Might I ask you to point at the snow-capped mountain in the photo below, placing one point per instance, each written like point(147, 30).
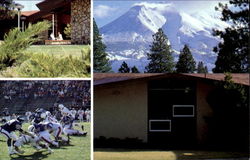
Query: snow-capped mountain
point(129, 36)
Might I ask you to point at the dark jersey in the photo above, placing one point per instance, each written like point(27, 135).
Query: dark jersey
point(39, 127)
point(32, 116)
point(12, 125)
point(37, 120)
point(67, 120)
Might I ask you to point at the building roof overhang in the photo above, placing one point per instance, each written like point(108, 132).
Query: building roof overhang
point(28, 13)
point(47, 7)
point(108, 78)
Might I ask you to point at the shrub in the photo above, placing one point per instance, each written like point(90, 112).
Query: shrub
point(16, 41)
point(43, 65)
point(67, 31)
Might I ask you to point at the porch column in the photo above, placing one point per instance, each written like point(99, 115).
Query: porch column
point(23, 23)
point(53, 24)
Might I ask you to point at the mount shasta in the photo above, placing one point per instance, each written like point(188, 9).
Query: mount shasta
point(128, 38)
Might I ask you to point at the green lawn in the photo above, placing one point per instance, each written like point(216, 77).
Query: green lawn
point(61, 50)
point(79, 149)
point(117, 154)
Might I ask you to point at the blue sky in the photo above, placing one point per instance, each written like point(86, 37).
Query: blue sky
point(107, 11)
point(29, 5)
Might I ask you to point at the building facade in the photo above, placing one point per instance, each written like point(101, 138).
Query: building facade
point(167, 109)
point(61, 13)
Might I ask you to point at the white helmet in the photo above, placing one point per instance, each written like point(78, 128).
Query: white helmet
point(48, 113)
point(61, 106)
point(43, 115)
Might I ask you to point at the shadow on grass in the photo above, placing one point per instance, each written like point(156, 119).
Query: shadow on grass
point(36, 156)
point(63, 146)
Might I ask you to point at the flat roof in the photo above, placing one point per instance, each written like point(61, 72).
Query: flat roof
point(106, 78)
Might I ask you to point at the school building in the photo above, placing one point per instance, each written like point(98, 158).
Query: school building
point(167, 109)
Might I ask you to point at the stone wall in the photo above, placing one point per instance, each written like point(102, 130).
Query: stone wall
point(80, 21)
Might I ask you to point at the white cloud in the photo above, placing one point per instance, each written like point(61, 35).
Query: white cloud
point(197, 6)
point(102, 11)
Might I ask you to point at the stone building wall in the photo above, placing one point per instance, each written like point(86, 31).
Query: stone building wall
point(80, 22)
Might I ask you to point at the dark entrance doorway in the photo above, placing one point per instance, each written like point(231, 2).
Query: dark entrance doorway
point(172, 113)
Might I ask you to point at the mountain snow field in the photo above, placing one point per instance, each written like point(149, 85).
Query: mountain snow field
point(128, 38)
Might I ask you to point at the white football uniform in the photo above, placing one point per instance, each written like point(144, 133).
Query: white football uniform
point(88, 115)
point(56, 128)
point(80, 115)
point(73, 113)
point(50, 119)
point(45, 136)
point(25, 139)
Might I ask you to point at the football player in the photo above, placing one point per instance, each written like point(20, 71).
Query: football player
point(8, 131)
point(67, 123)
point(42, 131)
point(33, 141)
point(56, 130)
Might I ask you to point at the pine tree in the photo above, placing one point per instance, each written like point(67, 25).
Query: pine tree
point(233, 50)
point(124, 68)
point(134, 70)
point(186, 62)
point(101, 62)
point(206, 70)
point(201, 68)
point(160, 56)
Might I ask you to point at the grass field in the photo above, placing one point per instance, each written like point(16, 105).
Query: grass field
point(78, 149)
point(117, 154)
point(59, 50)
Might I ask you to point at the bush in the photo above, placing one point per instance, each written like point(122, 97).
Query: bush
point(44, 65)
point(15, 62)
point(16, 41)
point(67, 31)
point(41, 65)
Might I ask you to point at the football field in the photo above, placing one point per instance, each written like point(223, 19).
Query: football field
point(78, 149)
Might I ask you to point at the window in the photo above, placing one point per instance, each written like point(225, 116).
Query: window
point(183, 110)
point(160, 125)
